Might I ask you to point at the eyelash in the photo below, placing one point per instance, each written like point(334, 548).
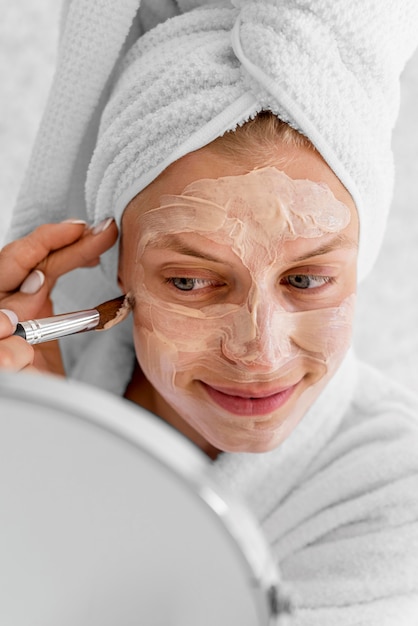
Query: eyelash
point(324, 280)
point(207, 283)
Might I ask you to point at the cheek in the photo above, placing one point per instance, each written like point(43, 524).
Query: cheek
point(174, 329)
point(156, 358)
point(166, 342)
point(325, 331)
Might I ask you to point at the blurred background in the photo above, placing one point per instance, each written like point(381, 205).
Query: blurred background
point(386, 332)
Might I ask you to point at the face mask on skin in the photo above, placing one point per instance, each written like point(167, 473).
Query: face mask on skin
point(259, 340)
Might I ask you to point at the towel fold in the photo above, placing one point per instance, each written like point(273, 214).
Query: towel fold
point(337, 503)
point(328, 68)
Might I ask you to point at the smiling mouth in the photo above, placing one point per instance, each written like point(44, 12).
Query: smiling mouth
point(247, 405)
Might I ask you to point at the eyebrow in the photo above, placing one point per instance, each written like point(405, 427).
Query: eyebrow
point(173, 242)
point(340, 241)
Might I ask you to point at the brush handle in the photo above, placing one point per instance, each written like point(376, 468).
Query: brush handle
point(50, 328)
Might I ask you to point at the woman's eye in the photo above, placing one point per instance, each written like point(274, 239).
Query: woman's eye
point(305, 281)
point(190, 284)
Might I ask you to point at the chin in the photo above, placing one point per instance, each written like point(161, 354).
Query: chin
point(251, 445)
point(257, 440)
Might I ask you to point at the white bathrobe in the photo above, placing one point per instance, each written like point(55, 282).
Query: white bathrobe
point(337, 501)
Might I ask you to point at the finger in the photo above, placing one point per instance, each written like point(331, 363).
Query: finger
point(81, 249)
point(31, 369)
point(15, 354)
point(32, 300)
point(85, 252)
point(19, 258)
point(37, 305)
point(8, 321)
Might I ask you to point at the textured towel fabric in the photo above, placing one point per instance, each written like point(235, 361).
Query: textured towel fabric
point(337, 500)
point(328, 67)
point(319, 65)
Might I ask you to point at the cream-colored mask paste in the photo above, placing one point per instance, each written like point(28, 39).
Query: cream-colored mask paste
point(260, 338)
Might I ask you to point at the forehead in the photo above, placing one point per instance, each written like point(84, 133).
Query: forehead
point(264, 203)
point(192, 175)
point(255, 216)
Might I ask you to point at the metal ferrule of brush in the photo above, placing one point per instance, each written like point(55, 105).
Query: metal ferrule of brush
point(49, 328)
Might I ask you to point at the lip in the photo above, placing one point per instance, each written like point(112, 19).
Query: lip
point(251, 402)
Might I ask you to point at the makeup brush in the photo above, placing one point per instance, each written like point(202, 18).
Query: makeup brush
point(103, 317)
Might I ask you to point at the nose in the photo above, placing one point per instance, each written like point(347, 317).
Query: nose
point(259, 335)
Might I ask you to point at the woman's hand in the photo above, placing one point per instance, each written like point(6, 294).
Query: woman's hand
point(29, 269)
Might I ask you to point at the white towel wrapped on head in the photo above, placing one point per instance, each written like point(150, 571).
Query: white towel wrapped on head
point(327, 67)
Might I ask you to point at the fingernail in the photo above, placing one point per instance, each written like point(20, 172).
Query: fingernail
point(33, 282)
point(11, 315)
point(74, 221)
point(101, 226)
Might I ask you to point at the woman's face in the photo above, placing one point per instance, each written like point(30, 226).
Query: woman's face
point(243, 284)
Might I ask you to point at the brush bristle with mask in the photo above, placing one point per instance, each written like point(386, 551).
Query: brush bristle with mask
point(102, 317)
